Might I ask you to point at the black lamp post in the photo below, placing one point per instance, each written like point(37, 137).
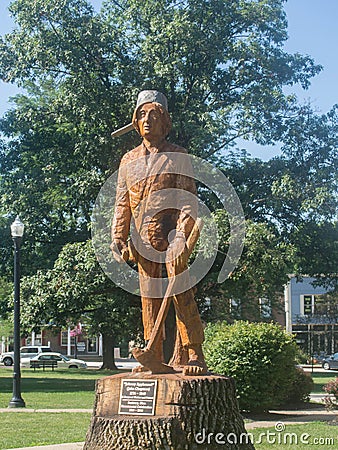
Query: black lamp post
point(17, 401)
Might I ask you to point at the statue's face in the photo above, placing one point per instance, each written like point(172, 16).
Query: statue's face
point(149, 121)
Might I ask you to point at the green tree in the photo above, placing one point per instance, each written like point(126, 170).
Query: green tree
point(6, 291)
point(296, 193)
point(309, 189)
point(6, 325)
point(77, 289)
point(6, 332)
point(222, 65)
point(223, 68)
point(253, 290)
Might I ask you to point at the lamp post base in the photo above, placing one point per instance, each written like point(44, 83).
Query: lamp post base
point(17, 402)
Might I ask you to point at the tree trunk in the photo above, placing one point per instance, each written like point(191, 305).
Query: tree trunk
point(191, 413)
point(108, 343)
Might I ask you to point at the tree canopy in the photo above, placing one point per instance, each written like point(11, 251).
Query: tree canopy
point(223, 67)
point(76, 290)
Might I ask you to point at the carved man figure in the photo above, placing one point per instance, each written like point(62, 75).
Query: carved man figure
point(157, 199)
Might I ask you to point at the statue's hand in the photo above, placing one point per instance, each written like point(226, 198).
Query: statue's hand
point(177, 256)
point(120, 251)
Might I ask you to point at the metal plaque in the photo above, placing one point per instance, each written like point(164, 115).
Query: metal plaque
point(137, 397)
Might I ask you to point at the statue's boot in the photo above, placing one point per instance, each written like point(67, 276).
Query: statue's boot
point(196, 364)
point(152, 359)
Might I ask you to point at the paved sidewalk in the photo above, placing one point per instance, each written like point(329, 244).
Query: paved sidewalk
point(293, 417)
point(75, 446)
point(31, 410)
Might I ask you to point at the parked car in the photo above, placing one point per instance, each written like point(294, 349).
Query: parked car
point(331, 362)
point(25, 352)
point(318, 358)
point(62, 361)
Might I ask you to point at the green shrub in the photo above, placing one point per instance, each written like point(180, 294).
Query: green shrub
point(301, 387)
point(259, 356)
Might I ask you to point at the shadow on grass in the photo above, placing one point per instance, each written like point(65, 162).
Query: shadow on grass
point(55, 381)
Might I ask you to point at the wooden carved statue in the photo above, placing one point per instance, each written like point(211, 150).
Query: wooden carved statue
point(156, 198)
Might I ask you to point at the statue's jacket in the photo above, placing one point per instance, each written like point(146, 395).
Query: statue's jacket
point(157, 193)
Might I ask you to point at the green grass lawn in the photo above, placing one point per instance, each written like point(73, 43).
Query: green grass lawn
point(320, 379)
point(68, 389)
point(309, 436)
point(47, 390)
point(22, 429)
point(63, 388)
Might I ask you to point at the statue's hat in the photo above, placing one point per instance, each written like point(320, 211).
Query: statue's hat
point(149, 96)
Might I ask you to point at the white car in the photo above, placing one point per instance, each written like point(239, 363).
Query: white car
point(27, 352)
point(61, 360)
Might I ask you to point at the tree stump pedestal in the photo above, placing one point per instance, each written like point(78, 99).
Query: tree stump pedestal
point(169, 412)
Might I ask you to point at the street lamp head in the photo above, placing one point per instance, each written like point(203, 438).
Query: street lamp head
point(17, 228)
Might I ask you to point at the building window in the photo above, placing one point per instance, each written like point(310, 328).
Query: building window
point(37, 339)
point(312, 305)
point(64, 339)
point(92, 345)
point(265, 308)
point(235, 308)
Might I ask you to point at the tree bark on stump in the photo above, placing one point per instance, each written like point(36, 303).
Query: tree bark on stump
point(191, 413)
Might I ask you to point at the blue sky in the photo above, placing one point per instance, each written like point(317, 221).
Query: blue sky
point(312, 31)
